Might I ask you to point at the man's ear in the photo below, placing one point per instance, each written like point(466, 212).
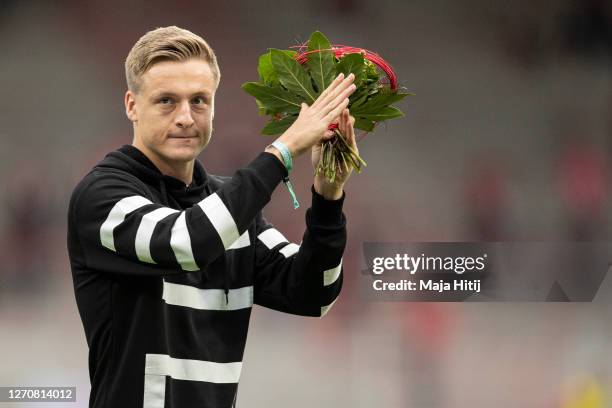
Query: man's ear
point(130, 106)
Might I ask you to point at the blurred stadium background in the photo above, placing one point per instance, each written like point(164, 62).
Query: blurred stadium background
point(508, 138)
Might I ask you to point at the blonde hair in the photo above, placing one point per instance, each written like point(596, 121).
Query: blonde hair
point(166, 44)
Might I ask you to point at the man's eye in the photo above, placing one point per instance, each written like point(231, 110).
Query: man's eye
point(198, 100)
point(165, 101)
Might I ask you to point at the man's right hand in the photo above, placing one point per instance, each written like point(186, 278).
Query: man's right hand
point(313, 121)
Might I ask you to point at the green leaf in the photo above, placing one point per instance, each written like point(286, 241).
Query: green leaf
point(322, 64)
point(274, 99)
point(386, 113)
point(364, 124)
point(378, 101)
point(266, 71)
point(354, 63)
point(292, 75)
point(276, 127)
point(362, 93)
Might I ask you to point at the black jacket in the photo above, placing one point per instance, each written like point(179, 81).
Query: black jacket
point(165, 276)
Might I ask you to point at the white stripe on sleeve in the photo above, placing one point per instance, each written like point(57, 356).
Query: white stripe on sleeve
point(180, 241)
point(272, 237)
point(331, 275)
point(325, 309)
point(289, 249)
point(242, 242)
point(116, 216)
point(145, 232)
point(221, 219)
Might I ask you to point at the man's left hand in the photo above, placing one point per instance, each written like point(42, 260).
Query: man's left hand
point(333, 191)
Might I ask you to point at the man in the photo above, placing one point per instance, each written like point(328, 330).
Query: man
point(167, 260)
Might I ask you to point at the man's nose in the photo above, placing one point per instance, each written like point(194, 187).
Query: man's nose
point(183, 116)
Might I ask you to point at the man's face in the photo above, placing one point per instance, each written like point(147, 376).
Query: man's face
point(173, 110)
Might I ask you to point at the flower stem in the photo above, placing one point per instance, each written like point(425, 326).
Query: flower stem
point(338, 156)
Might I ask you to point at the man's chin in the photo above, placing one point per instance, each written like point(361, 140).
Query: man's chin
point(182, 153)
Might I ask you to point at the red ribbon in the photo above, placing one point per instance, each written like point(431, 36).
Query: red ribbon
point(341, 50)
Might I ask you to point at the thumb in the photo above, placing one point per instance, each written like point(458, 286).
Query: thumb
point(303, 107)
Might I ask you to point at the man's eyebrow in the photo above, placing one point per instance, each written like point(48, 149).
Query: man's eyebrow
point(170, 93)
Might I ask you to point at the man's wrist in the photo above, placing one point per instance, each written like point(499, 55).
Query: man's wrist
point(326, 212)
point(328, 191)
point(277, 153)
point(288, 140)
point(274, 151)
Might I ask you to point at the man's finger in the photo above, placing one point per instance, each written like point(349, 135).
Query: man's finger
point(344, 122)
point(351, 124)
point(350, 136)
point(353, 140)
point(336, 91)
point(334, 103)
point(337, 110)
point(329, 89)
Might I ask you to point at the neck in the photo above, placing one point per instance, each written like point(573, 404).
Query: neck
point(180, 170)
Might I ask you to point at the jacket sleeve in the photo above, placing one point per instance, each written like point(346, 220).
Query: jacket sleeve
point(302, 279)
point(113, 216)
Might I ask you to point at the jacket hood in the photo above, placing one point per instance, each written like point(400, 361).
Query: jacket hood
point(128, 158)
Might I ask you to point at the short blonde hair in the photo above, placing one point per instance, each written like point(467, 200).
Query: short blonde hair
point(166, 44)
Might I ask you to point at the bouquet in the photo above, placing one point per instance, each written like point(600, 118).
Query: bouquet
point(289, 77)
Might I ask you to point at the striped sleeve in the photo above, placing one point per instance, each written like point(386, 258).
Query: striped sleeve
point(302, 279)
point(114, 216)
